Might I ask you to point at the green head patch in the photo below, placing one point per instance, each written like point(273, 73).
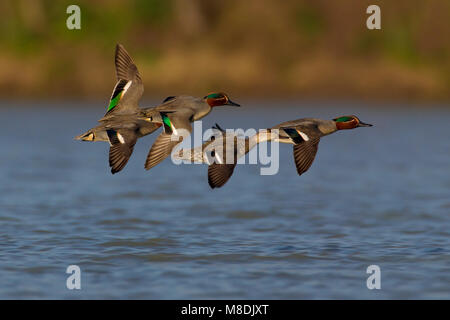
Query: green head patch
point(343, 119)
point(214, 96)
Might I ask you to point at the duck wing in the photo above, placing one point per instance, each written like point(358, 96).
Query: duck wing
point(218, 174)
point(177, 125)
point(220, 171)
point(129, 88)
point(305, 138)
point(304, 154)
point(122, 144)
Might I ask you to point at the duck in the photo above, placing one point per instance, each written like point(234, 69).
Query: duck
point(124, 122)
point(176, 113)
point(304, 134)
point(220, 159)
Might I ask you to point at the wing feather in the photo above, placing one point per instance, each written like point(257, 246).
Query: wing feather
point(304, 154)
point(161, 149)
point(163, 145)
point(218, 174)
point(129, 88)
point(122, 145)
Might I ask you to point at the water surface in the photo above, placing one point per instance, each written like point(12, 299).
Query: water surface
point(377, 195)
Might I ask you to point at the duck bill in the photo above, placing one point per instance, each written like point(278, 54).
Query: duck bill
point(362, 124)
point(231, 103)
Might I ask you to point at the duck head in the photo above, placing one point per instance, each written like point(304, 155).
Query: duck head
point(349, 122)
point(216, 99)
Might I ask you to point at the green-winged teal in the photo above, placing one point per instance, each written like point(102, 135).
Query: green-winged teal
point(175, 113)
point(304, 134)
point(124, 121)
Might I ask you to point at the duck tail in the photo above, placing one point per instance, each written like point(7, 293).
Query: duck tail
point(87, 136)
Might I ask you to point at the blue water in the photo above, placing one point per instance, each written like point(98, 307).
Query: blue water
point(373, 196)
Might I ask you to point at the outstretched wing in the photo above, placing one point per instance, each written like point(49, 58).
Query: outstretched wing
point(305, 138)
point(304, 154)
point(122, 144)
point(220, 171)
point(218, 174)
point(129, 87)
point(176, 126)
point(161, 149)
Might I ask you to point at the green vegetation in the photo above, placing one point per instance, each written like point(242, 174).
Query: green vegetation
point(309, 21)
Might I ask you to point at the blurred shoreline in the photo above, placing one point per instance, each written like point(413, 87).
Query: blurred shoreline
point(99, 105)
point(254, 49)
